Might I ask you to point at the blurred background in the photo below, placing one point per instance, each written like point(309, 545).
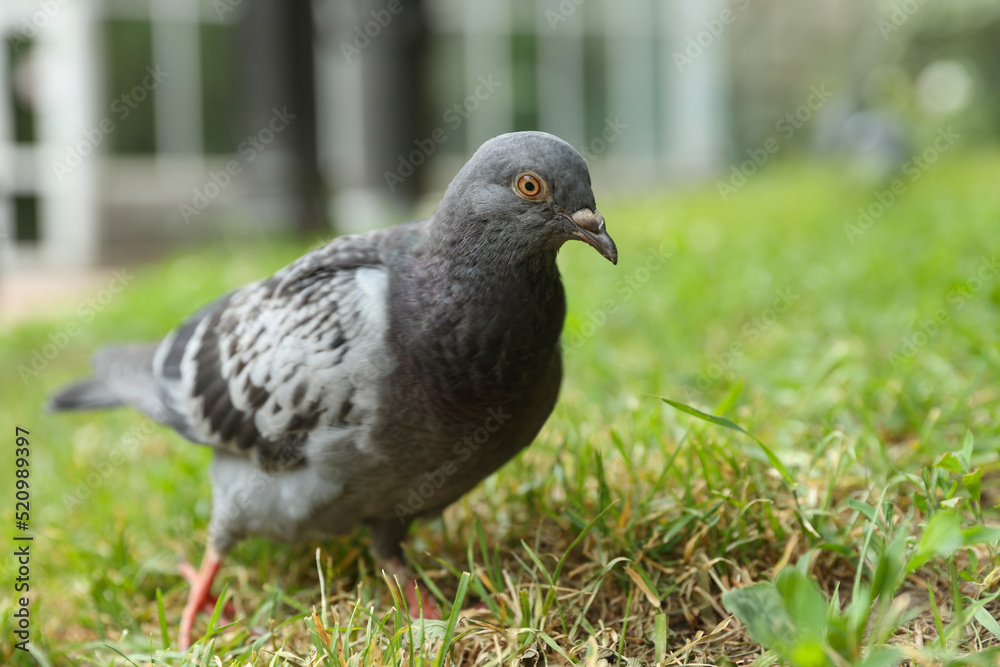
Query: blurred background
point(131, 127)
point(806, 201)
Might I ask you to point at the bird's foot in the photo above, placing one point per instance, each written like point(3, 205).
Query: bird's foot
point(208, 607)
point(421, 605)
point(200, 599)
point(430, 609)
point(417, 605)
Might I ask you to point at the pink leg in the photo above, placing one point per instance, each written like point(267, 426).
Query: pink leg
point(396, 569)
point(426, 603)
point(191, 575)
point(200, 598)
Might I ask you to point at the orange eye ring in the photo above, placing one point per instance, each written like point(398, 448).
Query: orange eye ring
point(529, 185)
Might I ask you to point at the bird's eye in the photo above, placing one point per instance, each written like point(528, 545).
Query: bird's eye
point(531, 186)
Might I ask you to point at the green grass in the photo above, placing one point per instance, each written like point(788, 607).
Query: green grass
point(869, 368)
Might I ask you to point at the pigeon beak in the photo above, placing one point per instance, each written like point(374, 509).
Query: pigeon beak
point(589, 227)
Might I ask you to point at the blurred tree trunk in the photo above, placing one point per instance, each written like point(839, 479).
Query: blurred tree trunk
point(394, 94)
point(276, 59)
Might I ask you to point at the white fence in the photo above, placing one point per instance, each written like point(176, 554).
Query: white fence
point(612, 77)
point(606, 77)
point(60, 79)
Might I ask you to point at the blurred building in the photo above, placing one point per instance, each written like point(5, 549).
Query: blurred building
point(127, 126)
point(638, 86)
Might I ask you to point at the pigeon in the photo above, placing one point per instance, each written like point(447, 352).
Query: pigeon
point(377, 379)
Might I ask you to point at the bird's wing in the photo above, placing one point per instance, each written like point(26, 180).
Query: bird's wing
point(259, 370)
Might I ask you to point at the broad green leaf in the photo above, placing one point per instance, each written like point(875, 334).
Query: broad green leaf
point(941, 537)
point(862, 507)
point(950, 462)
point(804, 602)
point(986, 619)
point(760, 608)
point(953, 503)
point(726, 423)
point(809, 653)
point(973, 483)
point(980, 535)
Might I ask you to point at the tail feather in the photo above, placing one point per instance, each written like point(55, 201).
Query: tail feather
point(89, 394)
point(124, 377)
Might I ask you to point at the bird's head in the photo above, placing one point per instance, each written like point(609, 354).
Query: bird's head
point(526, 190)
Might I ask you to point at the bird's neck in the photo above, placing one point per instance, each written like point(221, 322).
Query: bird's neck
point(508, 289)
point(477, 327)
point(488, 250)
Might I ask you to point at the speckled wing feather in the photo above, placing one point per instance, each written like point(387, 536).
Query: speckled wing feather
point(267, 365)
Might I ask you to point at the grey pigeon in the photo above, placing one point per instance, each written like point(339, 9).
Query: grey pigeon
point(379, 378)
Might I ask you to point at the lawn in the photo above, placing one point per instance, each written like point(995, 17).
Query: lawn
point(858, 525)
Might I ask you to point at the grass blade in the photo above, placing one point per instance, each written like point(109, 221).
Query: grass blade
point(109, 646)
point(220, 604)
point(733, 426)
point(164, 633)
point(456, 611)
point(660, 637)
point(555, 647)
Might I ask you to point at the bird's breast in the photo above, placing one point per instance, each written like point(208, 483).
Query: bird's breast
point(471, 349)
